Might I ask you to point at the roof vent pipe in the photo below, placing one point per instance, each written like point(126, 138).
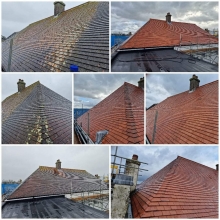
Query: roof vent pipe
point(217, 167)
point(168, 17)
point(59, 7)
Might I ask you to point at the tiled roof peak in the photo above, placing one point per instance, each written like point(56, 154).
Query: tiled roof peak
point(36, 115)
point(121, 113)
point(182, 189)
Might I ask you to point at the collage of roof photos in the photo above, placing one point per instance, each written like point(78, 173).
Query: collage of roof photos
point(127, 101)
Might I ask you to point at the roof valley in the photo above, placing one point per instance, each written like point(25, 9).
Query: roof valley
point(40, 131)
point(131, 127)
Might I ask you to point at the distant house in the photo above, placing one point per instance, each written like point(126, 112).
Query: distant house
point(73, 40)
point(182, 189)
point(168, 46)
point(36, 115)
point(120, 116)
point(190, 117)
point(48, 193)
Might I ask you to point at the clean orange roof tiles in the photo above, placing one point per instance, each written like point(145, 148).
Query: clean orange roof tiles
point(185, 118)
point(121, 113)
point(159, 33)
point(182, 189)
point(57, 181)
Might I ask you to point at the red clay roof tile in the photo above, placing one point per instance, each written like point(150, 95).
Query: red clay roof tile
point(52, 181)
point(159, 33)
point(121, 113)
point(186, 118)
point(191, 189)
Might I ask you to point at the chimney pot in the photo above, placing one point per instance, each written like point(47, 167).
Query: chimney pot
point(135, 157)
point(168, 17)
point(59, 7)
point(21, 85)
point(141, 83)
point(194, 83)
point(217, 167)
point(58, 164)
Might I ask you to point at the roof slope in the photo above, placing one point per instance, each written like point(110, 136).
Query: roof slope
point(121, 113)
point(78, 36)
point(36, 115)
point(159, 33)
point(53, 207)
point(182, 189)
point(186, 118)
point(52, 181)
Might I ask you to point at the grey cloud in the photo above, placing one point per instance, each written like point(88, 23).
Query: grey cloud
point(18, 162)
point(18, 15)
point(204, 14)
point(161, 86)
point(158, 157)
point(59, 83)
point(96, 87)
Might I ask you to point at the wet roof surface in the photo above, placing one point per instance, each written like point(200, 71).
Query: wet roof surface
point(53, 207)
point(78, 36)
point(36, 115)
point(121, 113)
point(159, 33)
point(159, 60)
point(182, 189)
point(186, 118)
point(51, 181)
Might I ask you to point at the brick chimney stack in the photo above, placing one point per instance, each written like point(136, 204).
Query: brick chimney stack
point(168, 17)
point(141, 83)
point(132, 169)
point(59, 7)
point(194, 83)
point(21, 85)
point(58, 164)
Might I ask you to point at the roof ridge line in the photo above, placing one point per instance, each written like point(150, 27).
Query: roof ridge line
point(195, 162)
point(187, 91)
point(61, 168)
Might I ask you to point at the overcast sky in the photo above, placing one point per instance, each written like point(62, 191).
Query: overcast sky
point(59, 83)
point(19, 162)
point(159, 157)
point(90, 89)
point(18, 15)
point(130, 16)
point(161, 86)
